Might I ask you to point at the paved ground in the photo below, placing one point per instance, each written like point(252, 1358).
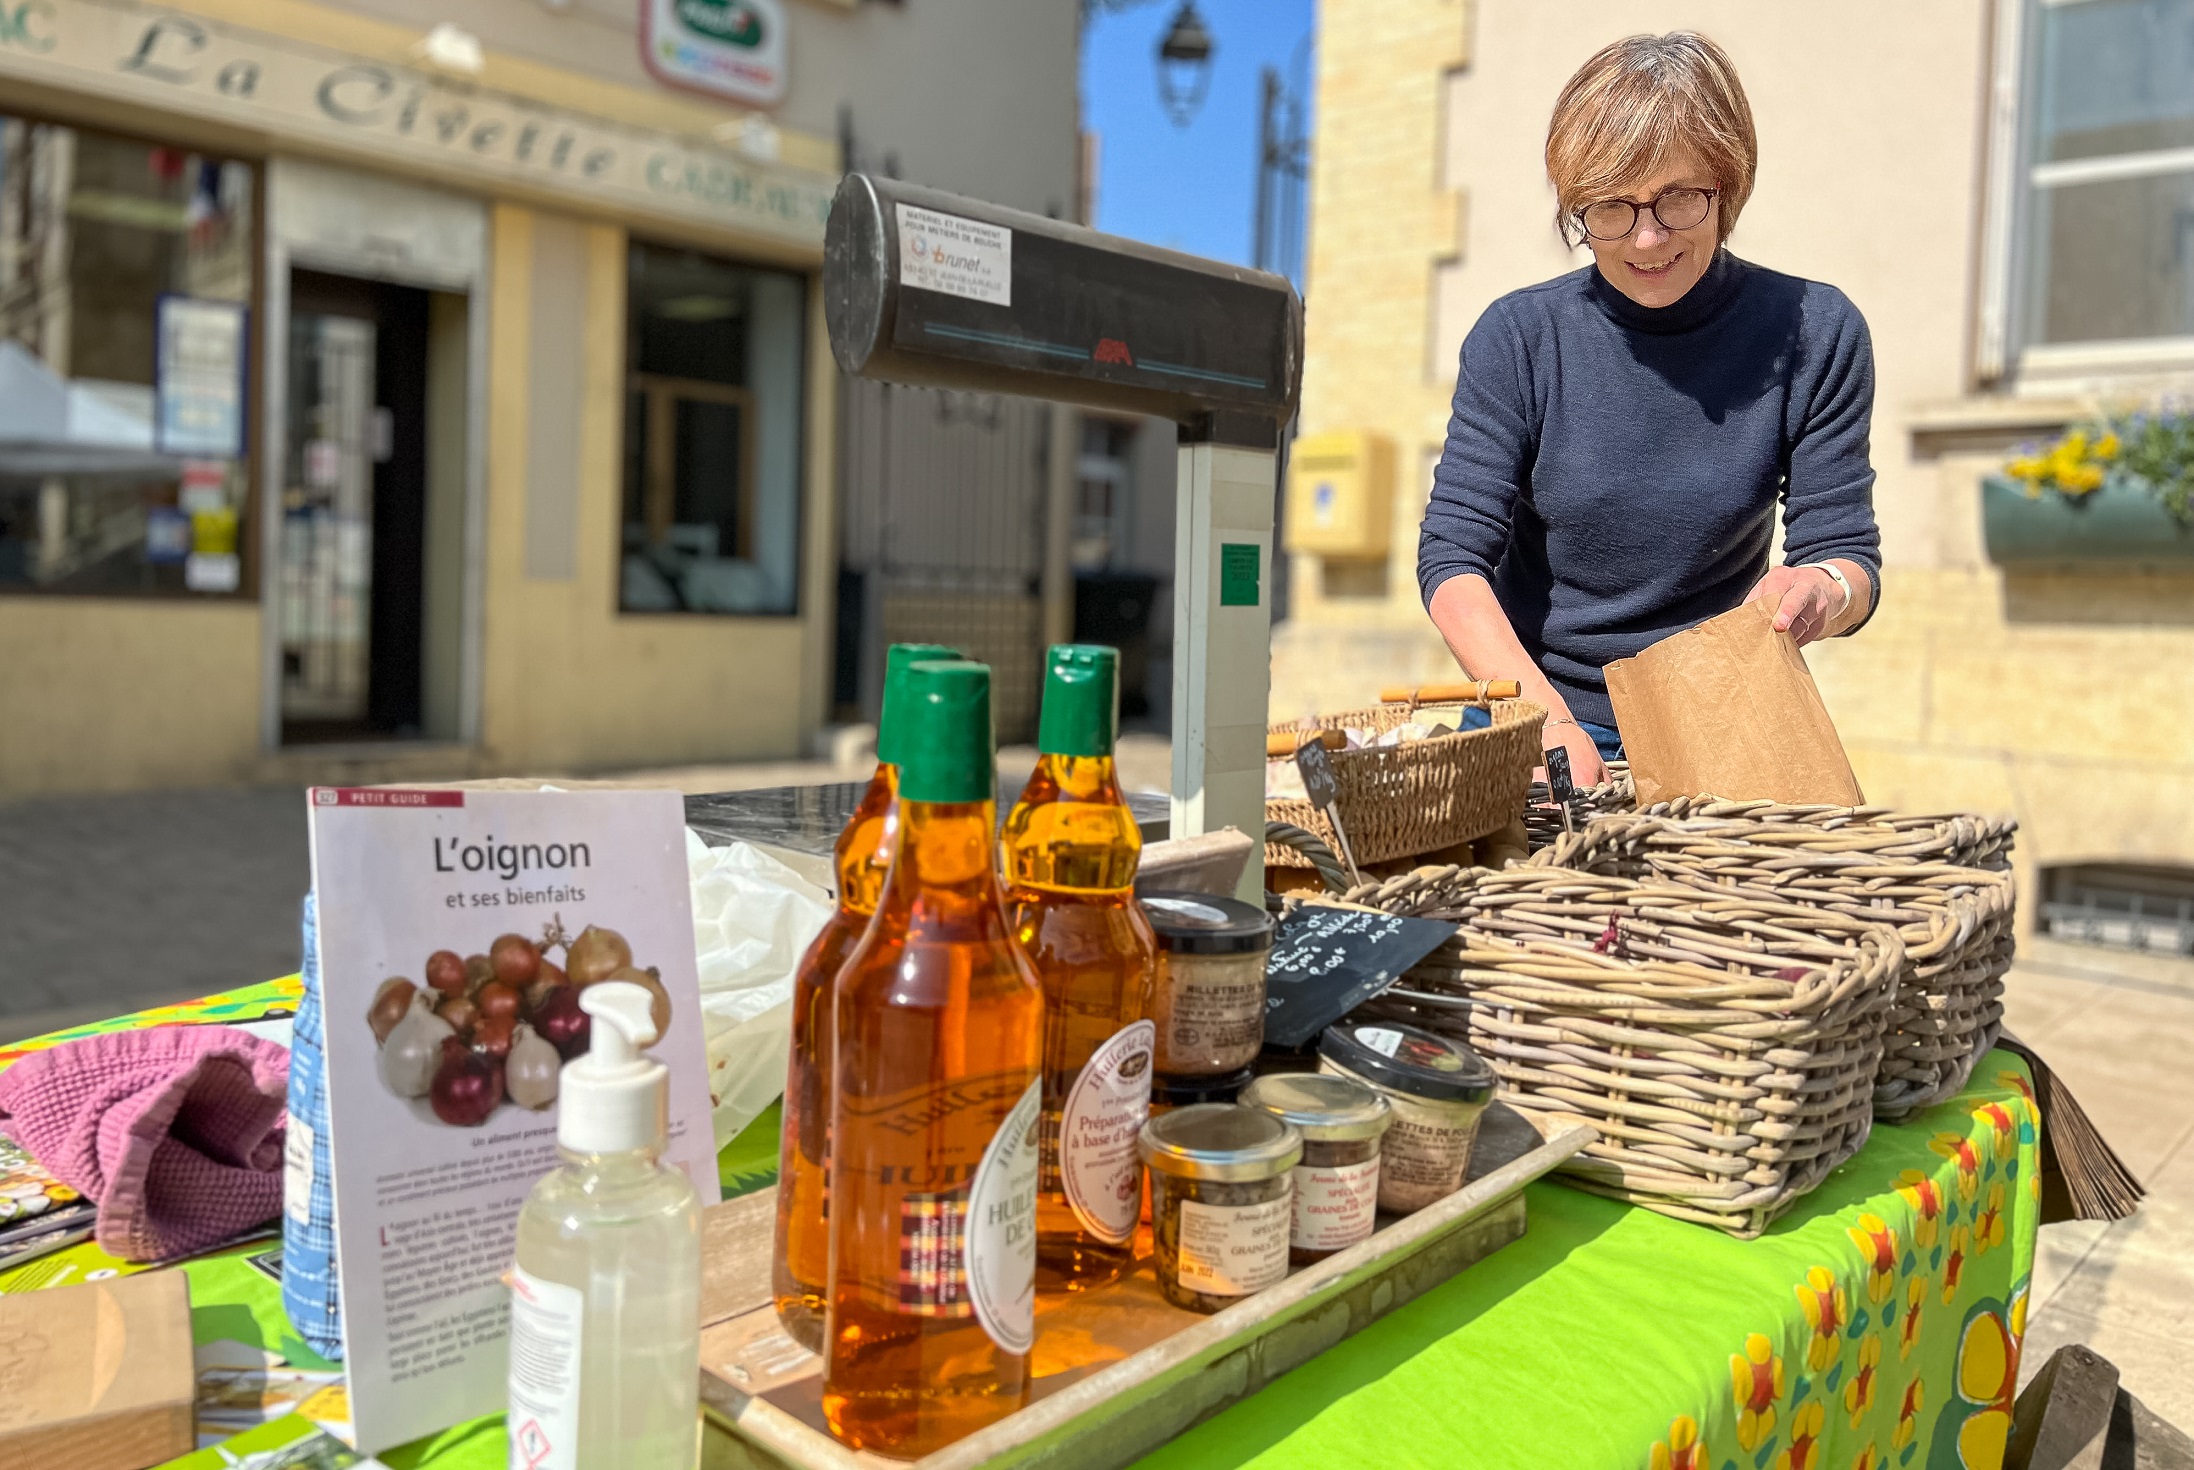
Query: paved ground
point(110, 904)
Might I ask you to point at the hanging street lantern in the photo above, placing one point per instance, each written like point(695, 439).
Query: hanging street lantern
point(1184, 65)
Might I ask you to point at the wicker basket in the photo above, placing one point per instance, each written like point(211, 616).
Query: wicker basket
point(1724, 1046)
point(1956, 923)
point(1543, 820)
point(1401, 801)
point(1931, 837)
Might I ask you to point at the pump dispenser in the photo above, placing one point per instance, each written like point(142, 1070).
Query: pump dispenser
point(1071, 850)
point(605, 1321)
point(803, 1147)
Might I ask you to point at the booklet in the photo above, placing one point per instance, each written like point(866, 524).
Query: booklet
point(456, 931)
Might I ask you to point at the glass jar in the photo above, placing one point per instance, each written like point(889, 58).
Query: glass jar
point(1210, 998)
point(1438, 1089)
point(1337, 1180)
point(1221, 1192)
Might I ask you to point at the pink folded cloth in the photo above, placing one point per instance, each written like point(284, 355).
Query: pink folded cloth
point(175, 1132)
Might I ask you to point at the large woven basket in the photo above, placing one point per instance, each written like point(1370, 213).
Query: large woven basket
point(1543, 820)
point(1401, 801)
point(1956, 923)
point(1725, 1046)
point(1940, 837)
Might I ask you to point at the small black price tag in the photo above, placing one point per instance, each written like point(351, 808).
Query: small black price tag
point(1317, 768)
point(1559, 784)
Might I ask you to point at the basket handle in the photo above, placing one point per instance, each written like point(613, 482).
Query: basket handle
point(1477, 691)
point(1286, 742)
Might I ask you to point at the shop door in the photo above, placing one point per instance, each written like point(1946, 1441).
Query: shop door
point(354, 511)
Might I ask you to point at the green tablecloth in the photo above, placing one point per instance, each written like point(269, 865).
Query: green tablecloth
point(1877, 1325)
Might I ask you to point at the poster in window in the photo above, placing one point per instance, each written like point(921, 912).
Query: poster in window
point(199, 382)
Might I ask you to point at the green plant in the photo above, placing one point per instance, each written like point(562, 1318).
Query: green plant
point(2154, 449)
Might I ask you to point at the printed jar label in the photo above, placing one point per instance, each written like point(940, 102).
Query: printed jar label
point(1105, 1110)
point(1233, 1250)
point(1335, 1206)
point(545, 1322)
point(1001, 1227)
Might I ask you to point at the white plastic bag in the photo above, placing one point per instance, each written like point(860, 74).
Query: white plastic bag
point(753, 918)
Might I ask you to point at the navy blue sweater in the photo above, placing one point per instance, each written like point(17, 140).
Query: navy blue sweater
point(1613, 469)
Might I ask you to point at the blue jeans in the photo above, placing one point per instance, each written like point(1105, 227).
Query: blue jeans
point(1606, 737)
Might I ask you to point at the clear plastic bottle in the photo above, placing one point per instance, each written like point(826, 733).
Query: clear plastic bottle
point(1071, 848)
point(934, 1132)
point(803, 1152)
point(605, 1333)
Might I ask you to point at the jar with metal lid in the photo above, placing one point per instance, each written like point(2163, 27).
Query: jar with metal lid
point(1221, 1193)
point(1210, 998)
point(1337, 1181)
point(1438, 1089)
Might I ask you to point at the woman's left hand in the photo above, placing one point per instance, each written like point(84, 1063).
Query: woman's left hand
point(1806, 600)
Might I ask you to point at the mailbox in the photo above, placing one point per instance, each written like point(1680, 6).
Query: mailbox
point(1340, 494)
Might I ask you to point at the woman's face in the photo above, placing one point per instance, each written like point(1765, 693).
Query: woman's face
point(1654, 265)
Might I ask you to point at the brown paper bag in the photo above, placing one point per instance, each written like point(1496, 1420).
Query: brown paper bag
point(1729, 709)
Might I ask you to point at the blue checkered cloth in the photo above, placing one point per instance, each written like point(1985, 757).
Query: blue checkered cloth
point(309, 1292)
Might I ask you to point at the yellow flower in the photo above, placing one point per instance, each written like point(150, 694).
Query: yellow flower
point(1805, 1437)
point(1826, 1310)
point(1869, 1458)
point(1859, 1392)
point(1966, 1154)
point(2080, 479)
point(2018, 1316)
point(1926, 1198)
point(2029, 468)
point(1954, 1264)
point(1915, 1295)
point(1908, 1416)
point(2072, 446)
point(1681, 1450)
point(1988, 1374)
point(2025, 1090)
point(1877, 1245)
point(1988, 1228)
point(2107, 446)
point(1756, 1382)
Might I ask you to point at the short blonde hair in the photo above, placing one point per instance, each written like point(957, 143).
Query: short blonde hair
point(1635, 103)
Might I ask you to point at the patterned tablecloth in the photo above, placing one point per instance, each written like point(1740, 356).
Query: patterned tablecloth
point(1877, 1325)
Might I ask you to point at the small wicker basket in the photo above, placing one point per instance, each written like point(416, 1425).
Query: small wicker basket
point(1956, 923)
point(1401, 801)
point(1930, 837)
point(1725, 1046)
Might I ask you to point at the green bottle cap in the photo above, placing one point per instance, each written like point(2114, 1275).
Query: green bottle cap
point(1081, 700)
point(897, 660)
point(948, 752)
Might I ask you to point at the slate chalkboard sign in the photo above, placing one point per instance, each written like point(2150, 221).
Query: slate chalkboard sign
point(1326, 962)
point(1319, 782)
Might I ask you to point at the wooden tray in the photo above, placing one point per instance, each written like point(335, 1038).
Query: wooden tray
point(1118, 1371)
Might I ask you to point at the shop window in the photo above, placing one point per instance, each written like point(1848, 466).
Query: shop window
point(2120, 906)
point(126, 271)
point(1104, 492)
point(2107, 239)
point(714, 403)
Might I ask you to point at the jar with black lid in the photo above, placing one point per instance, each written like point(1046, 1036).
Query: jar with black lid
point(1221, 1201)
point(1438, 1088)
point(1209, 1003)
point(1337, 1181)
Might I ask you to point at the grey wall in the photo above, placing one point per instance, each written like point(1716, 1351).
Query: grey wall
point(976, 96)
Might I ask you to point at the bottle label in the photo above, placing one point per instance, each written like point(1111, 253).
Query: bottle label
point(1335, 1206)
point(1001, 1227)
point(1105, 1111)
point(545, 1322)
point(1233, 1250)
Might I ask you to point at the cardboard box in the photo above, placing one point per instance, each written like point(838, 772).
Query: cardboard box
point(98, 1376)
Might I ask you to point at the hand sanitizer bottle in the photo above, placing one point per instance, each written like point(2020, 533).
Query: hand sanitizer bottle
point(605, 1312)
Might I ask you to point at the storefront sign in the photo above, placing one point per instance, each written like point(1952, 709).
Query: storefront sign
point(727, 48)
point(198, 377)
point(386, 115)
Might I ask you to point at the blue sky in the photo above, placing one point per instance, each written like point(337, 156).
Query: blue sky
point(1189, 188)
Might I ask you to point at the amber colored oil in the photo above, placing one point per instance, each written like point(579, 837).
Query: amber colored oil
point(1071, 848)
point(939, 1040)
point(863, 856)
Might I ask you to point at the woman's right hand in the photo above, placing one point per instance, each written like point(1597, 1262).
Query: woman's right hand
point(1586, 769)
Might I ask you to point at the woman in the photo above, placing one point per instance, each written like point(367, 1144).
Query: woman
point(1622, 434)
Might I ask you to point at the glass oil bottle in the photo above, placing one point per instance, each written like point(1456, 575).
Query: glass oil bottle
point(939, 1050)
point(863, 857)
point(1070, 851)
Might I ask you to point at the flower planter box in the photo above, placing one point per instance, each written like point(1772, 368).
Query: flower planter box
point(2121, 522)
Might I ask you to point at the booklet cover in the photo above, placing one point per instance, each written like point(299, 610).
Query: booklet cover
point(456, 931)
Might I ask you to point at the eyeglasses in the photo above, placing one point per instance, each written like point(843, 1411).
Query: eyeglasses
point(1676, 209)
